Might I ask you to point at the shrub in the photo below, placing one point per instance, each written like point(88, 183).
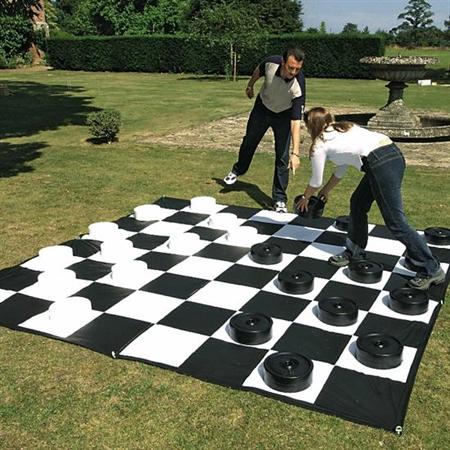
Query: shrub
point(104, 124)
point(15, 35)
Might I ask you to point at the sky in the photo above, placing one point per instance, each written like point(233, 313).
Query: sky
point(376, 14)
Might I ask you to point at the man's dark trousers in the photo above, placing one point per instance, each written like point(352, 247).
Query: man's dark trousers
point(258, 123)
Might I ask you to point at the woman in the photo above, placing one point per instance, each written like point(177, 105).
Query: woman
point(345, 143)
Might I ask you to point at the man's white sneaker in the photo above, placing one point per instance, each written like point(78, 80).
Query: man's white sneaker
point(231, 178)
point(280, 207)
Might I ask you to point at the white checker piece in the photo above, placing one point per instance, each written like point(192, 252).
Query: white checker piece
point(132, 282)
point(296, 232)
point(199, 267)
point(285, 261)
point(205, 223)
point(64, 328)
point(381, 307)
point(309, 317)
point(321, 251)
point(382, 245)
point(321, 372)
point(279, 327)
point(146, 306)
point(179, 250)
point(4, 294)
point(214, 210)
point(348, 360)
point(165, 345)
point(341, 276)
point(224, 295)
point(256, 239)
point(319, 284)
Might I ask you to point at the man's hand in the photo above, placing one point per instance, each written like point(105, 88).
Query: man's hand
point(302, 204)
point(249, 91)
point(294, 162)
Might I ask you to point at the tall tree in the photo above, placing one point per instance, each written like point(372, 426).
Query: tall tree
point(350, 28)
point(26, 8)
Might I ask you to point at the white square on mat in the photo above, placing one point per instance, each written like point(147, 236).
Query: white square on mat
point(37, 263)
point(35, 290)
point(4, 294)
point(387, 246)
point(321, 251)
point(273, 217)
point(224, 295)
point(198, 267)
point(166, 228)
point(145, 306)
point(63, 329)
point(348, 360)
point(279, 327)
point(165, 345)
point(133, 282)
point(381, 307)
point(321, 372)
point(309, 317)
point(298, 233)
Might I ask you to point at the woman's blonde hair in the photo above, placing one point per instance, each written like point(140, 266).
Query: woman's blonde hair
point(318, 119)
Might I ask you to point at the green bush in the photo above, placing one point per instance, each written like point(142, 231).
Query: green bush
point(104, 124)
point(16, 34)
point(327, 56)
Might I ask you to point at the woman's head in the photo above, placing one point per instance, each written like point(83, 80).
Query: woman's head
point(318, 120)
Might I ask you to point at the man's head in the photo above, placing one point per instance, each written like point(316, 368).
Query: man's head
point(292, 62)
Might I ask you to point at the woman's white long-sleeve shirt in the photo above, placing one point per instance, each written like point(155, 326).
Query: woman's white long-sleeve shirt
point(343, 149)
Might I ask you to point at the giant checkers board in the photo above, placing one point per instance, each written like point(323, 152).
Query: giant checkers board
point(175, 311)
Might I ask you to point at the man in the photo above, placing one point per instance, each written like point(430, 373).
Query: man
point(279, 105)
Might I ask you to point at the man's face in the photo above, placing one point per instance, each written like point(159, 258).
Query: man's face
point(291, 67)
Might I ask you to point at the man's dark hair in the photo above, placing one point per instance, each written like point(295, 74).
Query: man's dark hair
point(296, 52)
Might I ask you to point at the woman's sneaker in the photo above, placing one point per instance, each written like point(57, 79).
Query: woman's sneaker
point(230, 179)
point(280, 207)
point(424, 282)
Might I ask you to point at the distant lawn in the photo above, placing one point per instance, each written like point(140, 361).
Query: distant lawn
point(53, 184)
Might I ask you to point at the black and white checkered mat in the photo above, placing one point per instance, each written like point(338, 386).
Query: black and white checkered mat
point(173, 308)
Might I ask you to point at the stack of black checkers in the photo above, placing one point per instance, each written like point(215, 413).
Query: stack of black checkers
point(437, 235)
point(266, 253)
point(316, 205)
point(379, 351)
point(341, 223)
point(295, 281)
point(337, 311)
point(409, 301)
point(365, 271)
point(251, 328)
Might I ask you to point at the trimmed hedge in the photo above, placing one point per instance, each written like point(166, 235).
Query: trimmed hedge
point(330, 56)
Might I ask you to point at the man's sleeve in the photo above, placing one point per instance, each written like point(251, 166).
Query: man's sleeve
point(298, 103)
point(270, 59)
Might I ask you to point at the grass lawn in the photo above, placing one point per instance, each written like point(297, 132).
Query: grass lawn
point(53, 184)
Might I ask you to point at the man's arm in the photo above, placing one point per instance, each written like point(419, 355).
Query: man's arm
point(294, 159)
point(255, 76)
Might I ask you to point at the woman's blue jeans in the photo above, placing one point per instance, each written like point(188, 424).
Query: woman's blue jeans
point(384, 168)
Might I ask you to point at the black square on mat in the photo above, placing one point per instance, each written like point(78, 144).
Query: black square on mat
point(332, 238)
point(131, 224)
point(312, 342)
point(317, 267)
point(172, 203)
point(161, 261)
point(247, 276)
point(186, 218)
point(396, 280)
point(290, 246)
point(173, 285)
point(108, 333)
point(243, 212)
point(17, 278)
point(223, 252)
point(264, 227)
point(197, 318)
point(408, 332)
point(276, 305)
point(321, 223)
point(83, 247)
point(222, 362)
point(103, 296)
point(207, 234)
point(371, 400)
point(89, 269)
point(19, 307)
point(147, 241)
point(443, 254)
point(388, 261)
point(381, 231)
point(364, 297)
